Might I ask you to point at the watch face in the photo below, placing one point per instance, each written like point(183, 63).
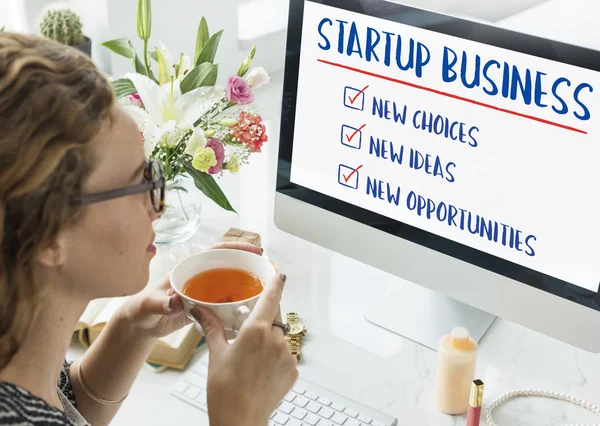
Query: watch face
point(296, 328)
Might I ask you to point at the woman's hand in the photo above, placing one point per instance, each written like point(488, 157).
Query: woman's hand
point(248, 378)
point(157, 311)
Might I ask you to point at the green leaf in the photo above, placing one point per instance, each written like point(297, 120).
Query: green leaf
point(210, 49)
point(124, 47)
point(123, 87)
point(139, 66)
point(154, 56)
point(201, 38)
point(209, 187)
point(202, 75)
point(121, 46)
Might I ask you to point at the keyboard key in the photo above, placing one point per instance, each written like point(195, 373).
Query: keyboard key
point(300, 401)
point(338, 407)
point(326, 413)
point(324, 401)
point(289, 397)
point(311, 419)
point(324, 422)
point(286, 407)
point(192, 392)
point(272, 414)
point(352, 422)
point(281, 419)
point(299, 391)
point(350, 413)
point(376, 423)
point(338, 418)
point(311, 395)
point(201, 369)
point(180, 387)
point(364, 419)
point(299, 413)
point(201, 398)
point(313, 407)
point(293, 422)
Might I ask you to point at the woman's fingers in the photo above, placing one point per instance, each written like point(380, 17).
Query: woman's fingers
point(267, 305)
point(237, 245)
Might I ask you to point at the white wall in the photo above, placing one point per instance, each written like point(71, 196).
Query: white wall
point(487, 10)
point(23, 16)
point(176, 21)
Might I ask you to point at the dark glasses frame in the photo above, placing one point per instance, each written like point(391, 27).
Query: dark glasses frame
point(151, 185)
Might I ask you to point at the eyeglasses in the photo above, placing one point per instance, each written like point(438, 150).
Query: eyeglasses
point(154, 182)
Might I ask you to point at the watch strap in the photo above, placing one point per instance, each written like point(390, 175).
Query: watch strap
point(293, 342)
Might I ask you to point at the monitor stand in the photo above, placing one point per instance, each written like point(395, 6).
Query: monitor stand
point(425, 316)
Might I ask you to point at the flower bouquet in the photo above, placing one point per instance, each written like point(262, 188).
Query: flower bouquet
point(195, 128)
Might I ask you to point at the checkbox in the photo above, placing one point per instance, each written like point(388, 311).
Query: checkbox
point(354, 98)
point(351, 136)
point(348, 176)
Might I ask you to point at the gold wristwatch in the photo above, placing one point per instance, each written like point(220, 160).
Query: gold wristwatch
point(295, 335)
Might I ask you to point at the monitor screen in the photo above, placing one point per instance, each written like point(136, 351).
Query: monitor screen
point(475, 141)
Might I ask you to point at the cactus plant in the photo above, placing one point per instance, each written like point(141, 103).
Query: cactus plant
point(62, 25)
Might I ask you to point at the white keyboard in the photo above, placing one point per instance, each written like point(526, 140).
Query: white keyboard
point(307, 404)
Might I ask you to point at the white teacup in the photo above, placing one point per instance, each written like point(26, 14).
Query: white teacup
point(231, 314)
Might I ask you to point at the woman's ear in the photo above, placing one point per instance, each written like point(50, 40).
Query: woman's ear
point(52, 255)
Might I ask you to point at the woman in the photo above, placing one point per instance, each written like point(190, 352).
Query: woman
point(63, 141)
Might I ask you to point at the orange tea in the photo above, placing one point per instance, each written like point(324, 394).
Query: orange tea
point(222, 285)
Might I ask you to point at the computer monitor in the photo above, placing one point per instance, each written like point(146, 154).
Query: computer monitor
point(458, 156)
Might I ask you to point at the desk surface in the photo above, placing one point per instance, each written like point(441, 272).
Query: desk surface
point(346, 353)
point(351, 356)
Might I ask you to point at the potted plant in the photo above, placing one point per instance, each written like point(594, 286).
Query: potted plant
point(64, 26)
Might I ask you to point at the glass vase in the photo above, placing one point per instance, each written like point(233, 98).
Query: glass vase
point(183, 212)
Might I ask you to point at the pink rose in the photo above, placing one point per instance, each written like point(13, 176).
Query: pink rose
point(238, 91)
point(217, 146)
point(136, 100)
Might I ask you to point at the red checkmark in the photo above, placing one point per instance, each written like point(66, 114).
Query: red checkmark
point(355, 132)
point(352, 99)
point(346, 178)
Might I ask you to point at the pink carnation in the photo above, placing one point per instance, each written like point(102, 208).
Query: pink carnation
point(250, 131)
point(238, 91)
point(217, 146)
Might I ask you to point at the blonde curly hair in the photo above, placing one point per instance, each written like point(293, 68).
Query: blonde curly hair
point(53, 101)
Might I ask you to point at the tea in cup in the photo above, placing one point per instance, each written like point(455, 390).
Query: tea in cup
point(228, 282)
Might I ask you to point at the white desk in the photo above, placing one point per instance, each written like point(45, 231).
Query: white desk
point(349, 355)
point(346, 353)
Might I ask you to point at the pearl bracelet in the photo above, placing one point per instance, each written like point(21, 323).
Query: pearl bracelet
point(542, 393)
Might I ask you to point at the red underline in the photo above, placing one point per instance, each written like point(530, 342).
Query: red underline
point(439, 92)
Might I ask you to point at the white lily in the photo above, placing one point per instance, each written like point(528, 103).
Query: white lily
point(197, 140)
point(167, 67)
point(169, 62)
point(183, 66)
point(167, 109)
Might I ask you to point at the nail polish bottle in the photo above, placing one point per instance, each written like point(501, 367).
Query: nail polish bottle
point(455, 371)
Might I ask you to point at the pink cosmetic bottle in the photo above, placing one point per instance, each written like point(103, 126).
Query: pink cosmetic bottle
point(475, 403)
